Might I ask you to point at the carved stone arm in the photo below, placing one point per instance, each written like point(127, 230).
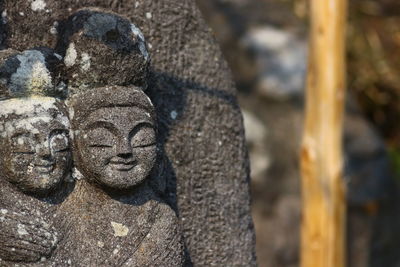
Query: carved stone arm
point(25, 237)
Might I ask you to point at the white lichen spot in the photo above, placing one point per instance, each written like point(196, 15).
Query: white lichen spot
point(32, 105)
point(38, 5)
point(21, 229)
point(4, 16)
point(76, 174)
point(53, 30)
point(174, 115)
point(120, 230)
point(30, 168)
point(3, 211)
point(55, 240)
point(85, 61)
point(70, 56)
point(64, 120)
point(29, 123)
point(32, 74)
point(58, 56)
point(71, 113)
point(100, 244)
point(20, 141)
point(40, 78)
point(150, 46)
point(142, 46)
point(137, 32)
point(136, 4)
point(21, 14)
point(149, 15)
point(69, 262)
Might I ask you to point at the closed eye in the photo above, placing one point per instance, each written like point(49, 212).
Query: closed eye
point(24, 152)
point(99, 145)
point(145, 145)
point(63, 150)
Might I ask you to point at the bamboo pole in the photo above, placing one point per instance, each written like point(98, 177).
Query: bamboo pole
point(323, 190)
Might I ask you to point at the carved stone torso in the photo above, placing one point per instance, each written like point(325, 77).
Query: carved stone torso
point(132, 230)
point(28, 232)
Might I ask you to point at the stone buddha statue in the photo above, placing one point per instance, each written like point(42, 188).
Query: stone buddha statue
point(35, 155)
point(122, 219)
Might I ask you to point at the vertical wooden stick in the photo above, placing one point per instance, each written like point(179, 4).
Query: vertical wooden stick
point(323, 191)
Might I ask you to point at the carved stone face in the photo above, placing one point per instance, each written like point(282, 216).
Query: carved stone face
point(35, 146)
point(117, 146)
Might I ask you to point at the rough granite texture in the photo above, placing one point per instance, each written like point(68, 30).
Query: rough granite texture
point(35, 71)
point(200, 122)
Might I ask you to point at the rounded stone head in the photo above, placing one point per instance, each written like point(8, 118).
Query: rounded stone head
point(103, 48)
point(31, 72)
point(35, 151)
point(114, 136)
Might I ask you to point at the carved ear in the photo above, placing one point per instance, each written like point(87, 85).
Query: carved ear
point(31, 72)
point(103, 48)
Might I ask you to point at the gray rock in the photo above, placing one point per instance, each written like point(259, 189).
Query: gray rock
point(281, 61)
point(256, 136)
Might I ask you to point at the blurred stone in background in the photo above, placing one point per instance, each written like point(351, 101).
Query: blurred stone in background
point(265, 43)
point(280, 61)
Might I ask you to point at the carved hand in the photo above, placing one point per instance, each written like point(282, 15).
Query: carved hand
point(25, 237)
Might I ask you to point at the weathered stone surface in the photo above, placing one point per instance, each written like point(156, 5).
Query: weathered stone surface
point(199, 122)
point(32, 72)
point(115, 149)
point(35, 160)
point(101, 49)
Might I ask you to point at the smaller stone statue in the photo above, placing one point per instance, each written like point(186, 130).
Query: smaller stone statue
point(35, 150)
point(35, 156)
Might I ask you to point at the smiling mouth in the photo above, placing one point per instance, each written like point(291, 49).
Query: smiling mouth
point(122, 166)
point(44, 169)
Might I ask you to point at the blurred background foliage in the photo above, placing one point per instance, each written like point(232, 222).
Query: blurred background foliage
point(265, 43)
point(374, 64)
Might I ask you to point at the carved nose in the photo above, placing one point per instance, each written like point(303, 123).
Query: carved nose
point(44, 152)
point(125, 149)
